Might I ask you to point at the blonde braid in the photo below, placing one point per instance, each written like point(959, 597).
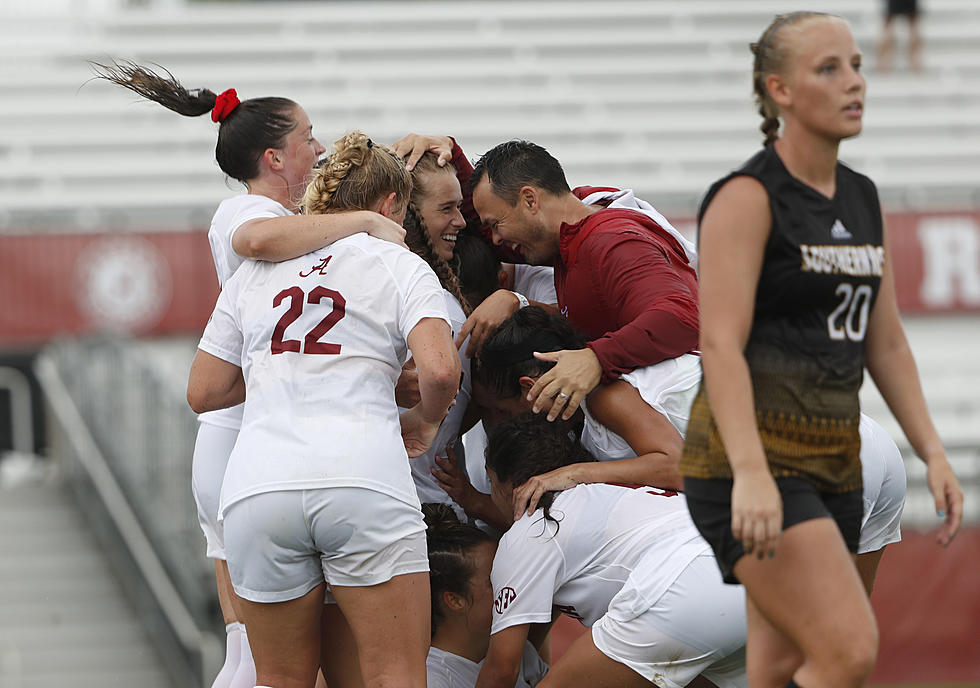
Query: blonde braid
point(356, 176)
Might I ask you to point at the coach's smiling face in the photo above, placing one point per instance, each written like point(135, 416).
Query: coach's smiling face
point(521, 227)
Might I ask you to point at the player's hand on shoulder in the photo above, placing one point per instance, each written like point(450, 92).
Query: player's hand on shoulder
point(528, 494)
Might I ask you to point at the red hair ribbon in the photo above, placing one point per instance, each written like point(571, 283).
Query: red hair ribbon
point(224, 104)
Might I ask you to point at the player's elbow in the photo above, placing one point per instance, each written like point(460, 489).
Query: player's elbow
point(197, 398)
point(252, 245)
point(444, 378)
point(498, 676)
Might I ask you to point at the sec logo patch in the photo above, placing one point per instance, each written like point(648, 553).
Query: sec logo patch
point(504, 598)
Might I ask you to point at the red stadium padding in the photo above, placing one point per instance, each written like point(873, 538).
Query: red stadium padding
point(927, 602)
point(78, 284)
point(164, 283)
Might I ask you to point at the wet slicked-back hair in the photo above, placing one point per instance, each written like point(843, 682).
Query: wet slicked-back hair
point(528, 445)
point(243, 136)
point(508, 353)
point(515, 164)
point(450, 545)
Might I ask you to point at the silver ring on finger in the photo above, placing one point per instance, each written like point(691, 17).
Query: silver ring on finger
point(562, 395)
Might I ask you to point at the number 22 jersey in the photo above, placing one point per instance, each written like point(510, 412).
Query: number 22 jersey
point(820, 275)
point(321, 340)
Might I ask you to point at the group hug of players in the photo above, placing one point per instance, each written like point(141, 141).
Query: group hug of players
point(661, 441)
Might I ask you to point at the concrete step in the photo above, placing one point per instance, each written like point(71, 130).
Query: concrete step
point(65, 619)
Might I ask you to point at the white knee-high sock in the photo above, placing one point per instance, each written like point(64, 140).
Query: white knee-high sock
point(245, 673)
point(233, 654)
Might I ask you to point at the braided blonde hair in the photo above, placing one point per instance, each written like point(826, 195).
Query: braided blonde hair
point(356, 176)
point(417, 234)
point(770, 57)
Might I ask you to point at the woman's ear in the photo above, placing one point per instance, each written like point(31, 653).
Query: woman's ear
point(779, 90)
point(273, 158)
point(454, 602)
point(387, 206)
point(526, 382)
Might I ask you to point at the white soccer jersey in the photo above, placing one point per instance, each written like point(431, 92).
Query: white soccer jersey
point(230, 215)
point(446, 670)
point(536, 282)
point(883, 472)
point(425, 483)
point(605, 535)
point(321, 340)
point(668, 387)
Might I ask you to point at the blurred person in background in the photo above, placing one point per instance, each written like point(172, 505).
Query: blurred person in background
point(886, 44)
point(318, 490)
point(797, 298)
point(266, 144)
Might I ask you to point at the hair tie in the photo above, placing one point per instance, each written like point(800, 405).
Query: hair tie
point(224, 105)
point(370, 144)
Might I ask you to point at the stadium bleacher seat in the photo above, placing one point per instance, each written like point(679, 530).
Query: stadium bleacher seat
point(653, 95)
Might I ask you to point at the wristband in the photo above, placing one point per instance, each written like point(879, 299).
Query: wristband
point(522, 301)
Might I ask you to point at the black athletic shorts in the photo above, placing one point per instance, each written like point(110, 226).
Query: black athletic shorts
point(710, 504)
point(906, 7)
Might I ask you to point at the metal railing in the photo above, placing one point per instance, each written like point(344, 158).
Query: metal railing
point(125, 440)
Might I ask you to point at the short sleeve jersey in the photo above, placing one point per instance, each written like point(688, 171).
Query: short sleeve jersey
point(321, 340)
point(821, 270)
point(668, 388)
point(425, 483)
point(231, 214)
point(604, 535)
point(447, 670)
point(536, 282)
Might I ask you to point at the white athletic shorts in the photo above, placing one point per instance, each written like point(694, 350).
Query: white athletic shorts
point(884, 496)
point(283, 544)
point(211, 451)
point(696, 627)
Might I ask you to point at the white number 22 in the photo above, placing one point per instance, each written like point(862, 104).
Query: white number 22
point(850, 319)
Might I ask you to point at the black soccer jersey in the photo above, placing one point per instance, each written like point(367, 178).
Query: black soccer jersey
point(822, 267)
